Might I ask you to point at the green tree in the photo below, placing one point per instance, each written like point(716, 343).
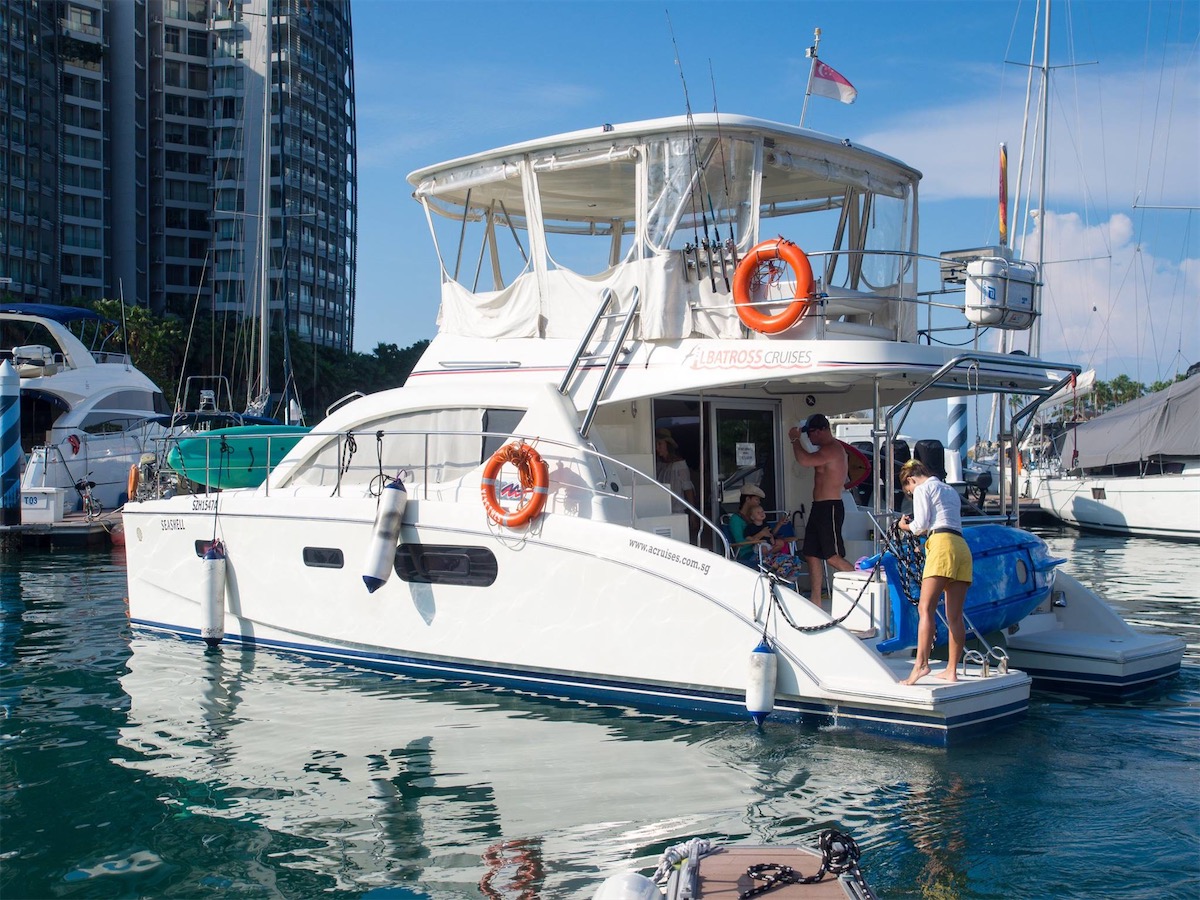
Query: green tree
point(224, 345)
point(1125, 389)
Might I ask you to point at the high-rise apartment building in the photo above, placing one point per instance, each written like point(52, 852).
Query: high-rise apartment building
point(182, 153)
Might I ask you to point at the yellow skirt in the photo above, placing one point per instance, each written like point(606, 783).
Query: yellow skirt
point(947, 556)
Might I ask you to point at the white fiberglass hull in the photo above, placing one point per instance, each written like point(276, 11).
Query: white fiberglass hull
point(577, 608)
point(104, 459)
point(1164, 506)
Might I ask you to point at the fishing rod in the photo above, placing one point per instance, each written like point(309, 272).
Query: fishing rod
point(687, 103)
point(731, 244)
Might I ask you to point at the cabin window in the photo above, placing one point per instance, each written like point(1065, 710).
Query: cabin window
point(834, 210)
point(446, 564)
point(432, 446)
point(323, 557)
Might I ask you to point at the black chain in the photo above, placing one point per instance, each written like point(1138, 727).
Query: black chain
point(814, 629)
point(772, 875)
point(839, 855)
point(909, 553)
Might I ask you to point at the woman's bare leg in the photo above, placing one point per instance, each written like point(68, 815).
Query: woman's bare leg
point(931, 590)
point(956, 598)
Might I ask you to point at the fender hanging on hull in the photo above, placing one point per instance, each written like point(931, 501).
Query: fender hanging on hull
point(760, 685)
point(381, 551)
point(212, 594)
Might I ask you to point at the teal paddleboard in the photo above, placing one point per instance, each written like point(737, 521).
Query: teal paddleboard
point(234, 457)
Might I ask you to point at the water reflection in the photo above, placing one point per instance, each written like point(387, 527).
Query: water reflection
point(390, 778)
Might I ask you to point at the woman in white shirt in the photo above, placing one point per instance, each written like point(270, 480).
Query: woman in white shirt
point(937, 512)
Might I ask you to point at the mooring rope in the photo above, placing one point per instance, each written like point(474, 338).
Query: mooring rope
point(839, 855)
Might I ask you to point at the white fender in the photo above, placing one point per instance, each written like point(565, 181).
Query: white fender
point(381, 551)
point(628, 886)
point(760, 686)
point(212, 594)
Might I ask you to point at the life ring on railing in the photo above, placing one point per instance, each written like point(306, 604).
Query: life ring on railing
point(535, 482)
point(747, 270)
point(132, 485)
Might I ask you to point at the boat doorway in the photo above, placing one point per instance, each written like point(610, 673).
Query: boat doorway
point(726, 444)
point(744, 448)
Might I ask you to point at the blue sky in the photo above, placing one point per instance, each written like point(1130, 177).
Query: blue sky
point(437, 80)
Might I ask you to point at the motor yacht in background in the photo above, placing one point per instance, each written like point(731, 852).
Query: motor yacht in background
point(1134, 470)
point(497, 518)
point(86, 412)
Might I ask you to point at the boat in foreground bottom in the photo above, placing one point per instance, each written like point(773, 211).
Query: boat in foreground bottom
point(699, 868)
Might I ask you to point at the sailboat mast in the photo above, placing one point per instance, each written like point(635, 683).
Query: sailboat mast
point(264, 256)
point(1035, 335)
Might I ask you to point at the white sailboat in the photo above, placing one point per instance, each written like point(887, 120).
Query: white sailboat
point(221, 448)
point(1134, 470)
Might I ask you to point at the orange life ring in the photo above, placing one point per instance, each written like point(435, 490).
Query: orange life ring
point(132, 485)
point(743, 279)
point(535, 482)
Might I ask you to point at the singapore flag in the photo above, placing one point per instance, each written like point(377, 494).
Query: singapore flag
point(828, 83)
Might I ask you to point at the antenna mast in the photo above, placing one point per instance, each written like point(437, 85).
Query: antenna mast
point(811, 53)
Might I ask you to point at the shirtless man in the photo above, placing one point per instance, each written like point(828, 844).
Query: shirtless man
point(823, 533)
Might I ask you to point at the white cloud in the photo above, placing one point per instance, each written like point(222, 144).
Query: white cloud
point(1113, 135)
point(1112, 304)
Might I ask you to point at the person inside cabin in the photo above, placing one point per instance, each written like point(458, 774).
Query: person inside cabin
point(765, 547)
point(751, 497)
point(823, 543)
point(673, 471)
point(948, 566)
point(742, 534)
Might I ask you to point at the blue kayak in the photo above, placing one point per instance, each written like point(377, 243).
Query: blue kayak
point(234, 457)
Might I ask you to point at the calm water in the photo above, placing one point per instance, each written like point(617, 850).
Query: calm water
point(139, 766)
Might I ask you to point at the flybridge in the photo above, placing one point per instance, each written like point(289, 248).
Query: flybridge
point(529, 236)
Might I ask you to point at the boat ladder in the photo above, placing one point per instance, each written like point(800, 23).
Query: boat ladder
point(589, 351)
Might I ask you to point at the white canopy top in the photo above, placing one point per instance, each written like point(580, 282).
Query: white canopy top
point(601, 192)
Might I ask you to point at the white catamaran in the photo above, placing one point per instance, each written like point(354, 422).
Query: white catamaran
point(498, 518)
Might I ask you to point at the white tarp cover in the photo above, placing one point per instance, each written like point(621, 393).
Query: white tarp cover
point(1165, 423)
point(671, 308)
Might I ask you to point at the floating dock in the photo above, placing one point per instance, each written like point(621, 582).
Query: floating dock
point(73, 530)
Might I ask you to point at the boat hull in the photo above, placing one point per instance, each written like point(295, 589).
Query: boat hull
point(578, 608)
point(1162, 506)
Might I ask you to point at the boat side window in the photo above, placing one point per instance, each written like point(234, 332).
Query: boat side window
point(139, 400)
point(323, 557)
point(832, 210)
point(108, 422)
point(434, 445)
point(446, 564)
point(503, 422)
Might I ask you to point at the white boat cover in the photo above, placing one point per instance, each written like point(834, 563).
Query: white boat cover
point(1165, 423)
